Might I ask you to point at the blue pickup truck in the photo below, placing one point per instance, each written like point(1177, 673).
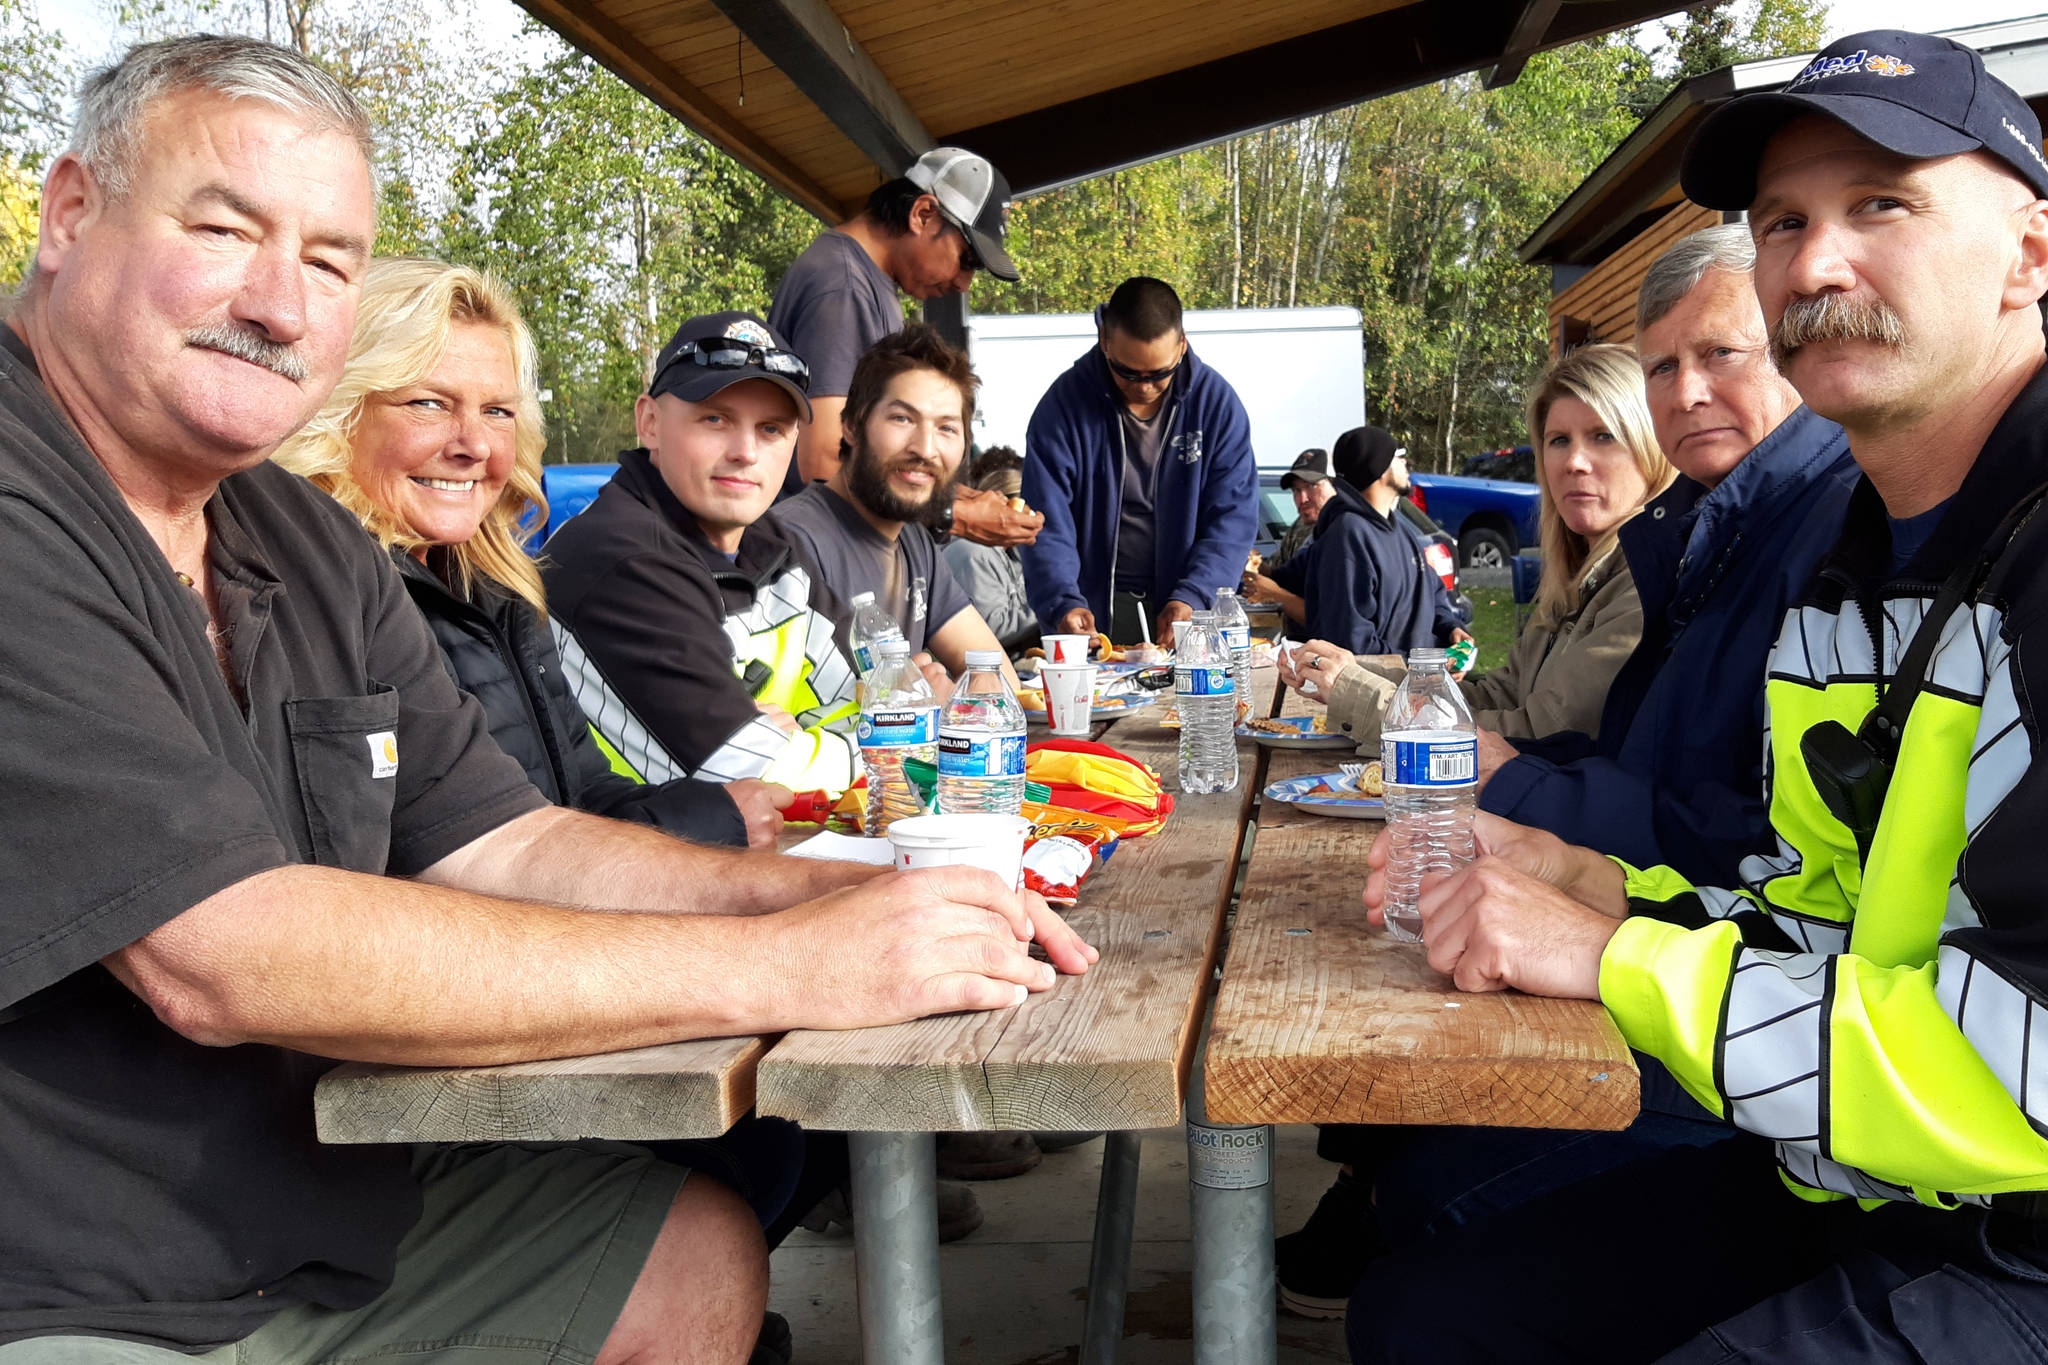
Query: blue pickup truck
point(1493, 519)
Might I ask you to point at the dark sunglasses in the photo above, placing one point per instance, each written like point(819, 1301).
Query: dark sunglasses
point(1131, 376)
point(970, 259)
point(728, 353)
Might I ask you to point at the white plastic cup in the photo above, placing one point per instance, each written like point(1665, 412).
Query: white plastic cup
point(995, 842)
point(1067, 649)
point(1069, 697)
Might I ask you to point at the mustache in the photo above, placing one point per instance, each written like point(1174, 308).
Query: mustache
point(1835, 317)
point(243, 344)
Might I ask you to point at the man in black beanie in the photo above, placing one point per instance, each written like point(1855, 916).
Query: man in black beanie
point(1362, 575)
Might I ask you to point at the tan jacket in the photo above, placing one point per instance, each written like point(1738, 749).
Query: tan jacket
point(1553, 680)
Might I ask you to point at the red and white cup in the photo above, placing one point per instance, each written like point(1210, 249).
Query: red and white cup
point(1069, 697)
point(1067, 649)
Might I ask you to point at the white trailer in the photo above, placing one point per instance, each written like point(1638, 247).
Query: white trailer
point(1300, 371)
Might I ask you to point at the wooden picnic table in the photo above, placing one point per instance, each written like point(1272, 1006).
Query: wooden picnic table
point(1110, 1050)
point(1322, 1019)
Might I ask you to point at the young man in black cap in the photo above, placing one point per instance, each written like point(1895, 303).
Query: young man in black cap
point(700, 640)
point(1362, 578)
point(1861, 1006)
point(924, 233)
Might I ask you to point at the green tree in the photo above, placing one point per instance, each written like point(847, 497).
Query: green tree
point(613, 223)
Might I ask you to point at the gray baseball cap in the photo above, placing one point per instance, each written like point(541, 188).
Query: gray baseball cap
point(974, 197)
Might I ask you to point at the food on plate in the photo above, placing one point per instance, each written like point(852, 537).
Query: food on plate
point(1318, 726)
point(1032, 698)
point(1372, 785)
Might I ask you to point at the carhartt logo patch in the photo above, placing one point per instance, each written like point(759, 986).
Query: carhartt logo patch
point(384, 753)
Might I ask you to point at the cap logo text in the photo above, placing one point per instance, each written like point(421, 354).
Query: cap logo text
point(2024, 141)
point(1877, 64)
point(749, 331)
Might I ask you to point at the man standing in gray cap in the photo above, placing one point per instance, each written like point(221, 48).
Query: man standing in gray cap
point(924, 233)
point(1860, 1006)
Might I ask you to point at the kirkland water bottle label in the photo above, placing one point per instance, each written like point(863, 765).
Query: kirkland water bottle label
point(890, 729)
point(980, 753)
point(1450, 760)
point(1202, 682)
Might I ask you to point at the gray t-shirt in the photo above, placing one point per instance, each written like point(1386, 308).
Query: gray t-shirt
point(1142, 439)
point(834, 303)
point(908, 576)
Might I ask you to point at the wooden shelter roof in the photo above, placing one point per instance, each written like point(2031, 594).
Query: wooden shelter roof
point(1639, 180)
point(821, 98)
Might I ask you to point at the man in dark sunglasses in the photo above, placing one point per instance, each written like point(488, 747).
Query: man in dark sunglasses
point(1140, 456)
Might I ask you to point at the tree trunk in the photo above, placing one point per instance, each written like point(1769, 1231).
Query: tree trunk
point(1236, 171)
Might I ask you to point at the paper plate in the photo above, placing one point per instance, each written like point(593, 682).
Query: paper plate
point(1297, 736)
point(1300, 793)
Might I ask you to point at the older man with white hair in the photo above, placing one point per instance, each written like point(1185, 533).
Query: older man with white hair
point(251, 826)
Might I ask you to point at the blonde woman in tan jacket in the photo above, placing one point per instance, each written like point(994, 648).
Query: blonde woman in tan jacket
point(1598, 463)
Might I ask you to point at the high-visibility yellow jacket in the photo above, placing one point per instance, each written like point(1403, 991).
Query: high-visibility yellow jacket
point(1879, 1019)
point(658, 631)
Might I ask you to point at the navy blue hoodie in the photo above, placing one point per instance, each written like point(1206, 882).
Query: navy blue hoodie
point(1205, 505)
point(1364, 582)
point(1676, 778)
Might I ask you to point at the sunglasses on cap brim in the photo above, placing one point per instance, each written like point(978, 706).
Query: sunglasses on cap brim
point(728, 353)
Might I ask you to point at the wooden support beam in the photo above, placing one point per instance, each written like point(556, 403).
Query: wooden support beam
point(809, 44)
point(1523, 42)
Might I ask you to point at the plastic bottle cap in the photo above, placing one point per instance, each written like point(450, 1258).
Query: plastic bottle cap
point(1424, 658)
point(862, 599)
point(891, 646)
point(984, 658)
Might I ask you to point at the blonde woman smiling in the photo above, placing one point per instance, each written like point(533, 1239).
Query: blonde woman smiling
point(433, 440)
point(1598, 463)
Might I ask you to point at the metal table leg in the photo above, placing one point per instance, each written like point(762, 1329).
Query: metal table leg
point(896, 1248)
point(1230, 1193)
point(1109, 1264)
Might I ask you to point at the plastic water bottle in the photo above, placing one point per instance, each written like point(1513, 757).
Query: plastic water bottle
point(871, 626)
point(1237, 637)
point(1207, 701)
point(899, 719)
point(1429, 752)
point(981, 741)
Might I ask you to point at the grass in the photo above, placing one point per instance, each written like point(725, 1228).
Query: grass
point(1493, 623)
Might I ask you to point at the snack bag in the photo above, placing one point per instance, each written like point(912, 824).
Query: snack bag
point(1063, 848)
point(1083, 775)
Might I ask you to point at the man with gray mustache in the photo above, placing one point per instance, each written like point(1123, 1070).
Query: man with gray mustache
point(1861, 1004)
point(252, 828)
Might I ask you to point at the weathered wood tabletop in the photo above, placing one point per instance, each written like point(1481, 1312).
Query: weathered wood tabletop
point(1108, 1050)
point(696, 1089)
point(1321, 1019)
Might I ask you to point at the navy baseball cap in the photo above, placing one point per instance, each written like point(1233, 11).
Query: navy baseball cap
point(717, 350)
point(1910, 93)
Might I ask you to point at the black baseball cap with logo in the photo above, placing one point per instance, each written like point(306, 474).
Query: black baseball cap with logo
point(1910, 93)
point(717, 350)
point(1311, 466)
point(974, 197)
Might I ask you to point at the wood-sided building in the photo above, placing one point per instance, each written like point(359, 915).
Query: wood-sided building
point(1603, 237)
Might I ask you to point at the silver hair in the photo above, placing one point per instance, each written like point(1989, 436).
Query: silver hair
point(114, 100)
point(1726, 246)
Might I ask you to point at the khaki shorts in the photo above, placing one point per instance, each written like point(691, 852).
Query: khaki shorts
point(523, 1256)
